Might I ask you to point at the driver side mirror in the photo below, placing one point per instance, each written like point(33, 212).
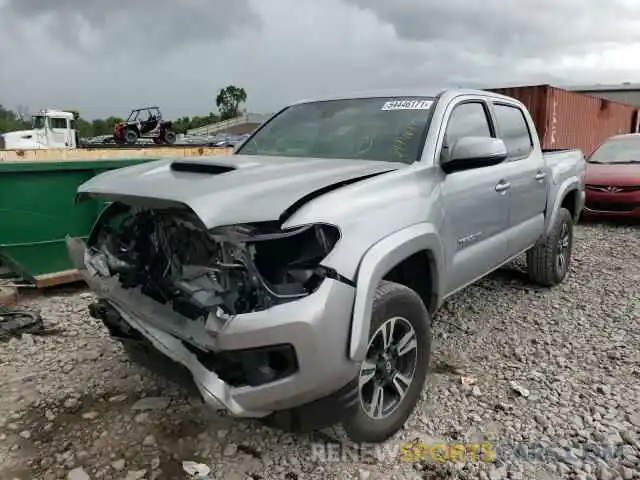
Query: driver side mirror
point(474, 152)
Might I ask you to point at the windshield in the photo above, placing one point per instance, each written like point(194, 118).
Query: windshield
point(618, 150)
point(387, 129)
point(38, 122)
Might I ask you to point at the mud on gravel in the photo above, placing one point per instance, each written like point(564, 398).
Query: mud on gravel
point(556, 371)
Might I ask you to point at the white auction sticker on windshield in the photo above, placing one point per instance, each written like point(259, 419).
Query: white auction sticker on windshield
point(407, 105)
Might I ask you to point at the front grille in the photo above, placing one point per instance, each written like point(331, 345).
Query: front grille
point(611, 207)
point(613, 188)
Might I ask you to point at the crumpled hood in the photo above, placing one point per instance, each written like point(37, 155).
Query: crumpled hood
point(231, 189)
point(621, 175)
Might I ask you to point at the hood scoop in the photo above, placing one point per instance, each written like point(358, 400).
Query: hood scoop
point(201, 167)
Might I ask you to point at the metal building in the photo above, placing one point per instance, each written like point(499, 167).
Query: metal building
point(627, 93)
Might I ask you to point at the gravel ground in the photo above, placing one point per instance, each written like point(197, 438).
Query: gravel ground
point(556, 371)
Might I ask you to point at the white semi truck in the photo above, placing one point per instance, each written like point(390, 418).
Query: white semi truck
point(49, 129)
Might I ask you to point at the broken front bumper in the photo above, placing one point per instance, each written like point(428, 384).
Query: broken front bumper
point(317, 328)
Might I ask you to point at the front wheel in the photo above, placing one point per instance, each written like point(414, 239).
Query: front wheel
point(393, 373)
point(548, 261)
point(130, 136)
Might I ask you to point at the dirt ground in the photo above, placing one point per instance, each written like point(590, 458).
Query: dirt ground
point(513, 365)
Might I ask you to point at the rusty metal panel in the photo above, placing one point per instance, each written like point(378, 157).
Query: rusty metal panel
point(583, 121)
point(566, 119)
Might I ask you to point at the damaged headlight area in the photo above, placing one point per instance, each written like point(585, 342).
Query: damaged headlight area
point(172, 258)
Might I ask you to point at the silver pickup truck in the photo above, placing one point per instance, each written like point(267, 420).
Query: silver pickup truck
point(295, 280)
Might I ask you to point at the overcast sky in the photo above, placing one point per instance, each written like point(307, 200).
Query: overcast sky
point(106, 57)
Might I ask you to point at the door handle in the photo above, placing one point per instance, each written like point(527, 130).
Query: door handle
point(540, 176)
point(502, 186)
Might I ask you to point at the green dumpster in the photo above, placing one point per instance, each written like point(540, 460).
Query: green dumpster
point(37, 212)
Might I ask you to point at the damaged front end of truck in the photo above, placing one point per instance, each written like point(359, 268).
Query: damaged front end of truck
point(161, 273)
point(170, 257)
point(204, 266)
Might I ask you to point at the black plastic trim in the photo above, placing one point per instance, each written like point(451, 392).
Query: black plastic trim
point(200, 167)
point(318, 414)
point(331, 273)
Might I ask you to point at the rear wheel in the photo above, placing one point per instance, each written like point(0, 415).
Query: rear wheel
point(393, 373)
point(130, 136)
point(169, 137)
point(548, 262)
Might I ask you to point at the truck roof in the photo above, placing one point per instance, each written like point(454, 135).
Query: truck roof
point(408, 92)
point(54, 113)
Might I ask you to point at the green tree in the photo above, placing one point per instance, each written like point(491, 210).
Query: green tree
point(83, 127)
point(99, 127)
point(181, 125)
point(11, 121)
point(228, 101)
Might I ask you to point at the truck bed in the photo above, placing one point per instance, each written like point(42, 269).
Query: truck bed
point(569, 157)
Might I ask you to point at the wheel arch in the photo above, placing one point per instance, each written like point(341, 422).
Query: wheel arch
point(406, 250)
point(131, 127)
point(569, 195)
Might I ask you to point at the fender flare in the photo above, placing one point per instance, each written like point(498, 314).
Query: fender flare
point(565, 188)
point(376, 263)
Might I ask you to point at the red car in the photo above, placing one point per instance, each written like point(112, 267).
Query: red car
point(613, 179)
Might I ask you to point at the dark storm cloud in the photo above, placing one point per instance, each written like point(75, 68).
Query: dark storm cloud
point(105, 56)
point(122, 26)
point(520, 28)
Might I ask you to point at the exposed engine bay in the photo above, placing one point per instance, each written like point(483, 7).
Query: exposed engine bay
point(173, 259)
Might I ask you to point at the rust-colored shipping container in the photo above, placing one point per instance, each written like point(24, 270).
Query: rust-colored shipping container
point(567, 119)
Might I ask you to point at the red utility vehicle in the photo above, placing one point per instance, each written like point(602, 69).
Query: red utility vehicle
point(144, 123)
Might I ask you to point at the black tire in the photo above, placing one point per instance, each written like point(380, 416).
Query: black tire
point(395, 300)
point(169, 137)
point(130, 136)
point(543, 261)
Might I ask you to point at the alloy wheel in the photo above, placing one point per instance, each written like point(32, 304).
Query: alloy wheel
point(389, 368)
point(562, 255)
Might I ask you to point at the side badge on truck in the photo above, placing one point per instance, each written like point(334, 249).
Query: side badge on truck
point(466, 241)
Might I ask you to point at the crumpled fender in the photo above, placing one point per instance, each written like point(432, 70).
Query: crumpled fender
point(376, 263)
